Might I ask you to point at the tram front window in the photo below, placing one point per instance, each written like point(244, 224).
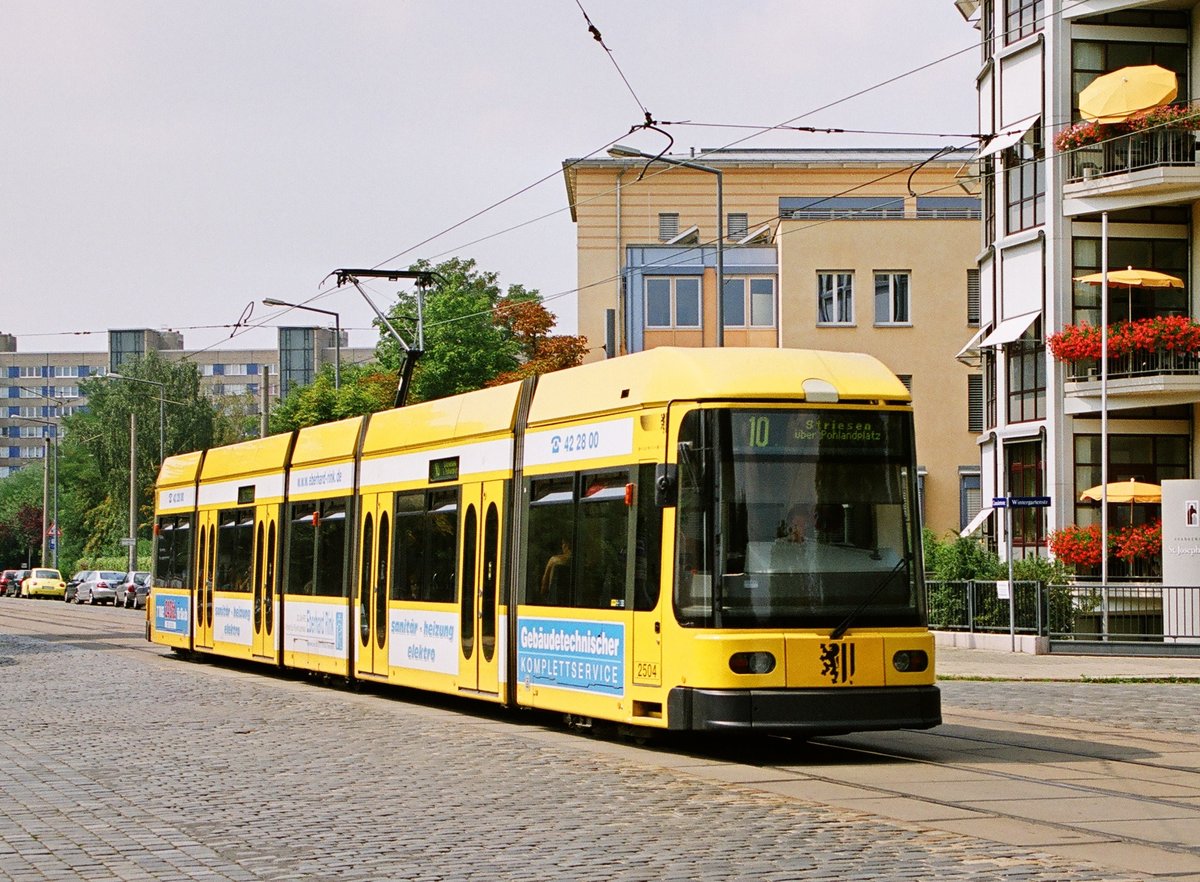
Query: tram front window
point(796, 518)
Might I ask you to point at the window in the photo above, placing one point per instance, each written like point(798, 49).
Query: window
point(425, 546)
point(66, 371)
point(891, 299)
point(173, 551)
point(1021, 19)
point(1149, 458)
point(749, 296)
point(737, 225)
point(235, 370)
point(235, 541)
point(579, 540)
point(1026, 359)
point(317, 547)
point(1163, 255)
point(973, 298)
point(1090, 59)
point(295, 358)
point(987, 176)
point(948, 207)
point(975, 403)
point(206, 370)
point(835, 298)
point(673, 302)
point(64, 391)
point(988, 365)
point(32, 452)
point(30, 371)
point(1026, 468)
point(1025, 181)
point(125, 346)
point(987, 29)
point(668, 225)
point(841, 207)
point(30, 393)
point(970, 496)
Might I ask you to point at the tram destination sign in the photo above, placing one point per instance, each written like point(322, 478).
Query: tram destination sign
point(1021, 501)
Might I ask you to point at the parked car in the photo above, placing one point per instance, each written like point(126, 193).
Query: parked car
point(10, 582)
point(73, 585)
point(127, 591)
point(100, 586)
point(44, 583)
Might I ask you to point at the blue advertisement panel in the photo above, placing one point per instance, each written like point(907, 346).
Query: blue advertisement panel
point(172, 613)
point(570, 654)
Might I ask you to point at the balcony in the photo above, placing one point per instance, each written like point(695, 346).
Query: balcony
point(1139, 168)
point(1156, 378)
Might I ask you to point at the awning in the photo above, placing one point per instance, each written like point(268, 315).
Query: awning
point(977, 521)
point(1009, 330)
point(969, 354)
point(1011, 135)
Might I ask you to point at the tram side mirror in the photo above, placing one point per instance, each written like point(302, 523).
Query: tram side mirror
point(666, 484)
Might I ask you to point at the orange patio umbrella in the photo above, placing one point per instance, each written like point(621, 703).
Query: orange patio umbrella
point(1131, 278)
point(1130, 491)
point(1116, 96)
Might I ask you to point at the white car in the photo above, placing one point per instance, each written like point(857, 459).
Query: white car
point(99, 586)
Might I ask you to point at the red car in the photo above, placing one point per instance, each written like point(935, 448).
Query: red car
point(10, 582)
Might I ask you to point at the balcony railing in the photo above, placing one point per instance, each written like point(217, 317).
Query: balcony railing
point(1138, 363)
point(1127, 153)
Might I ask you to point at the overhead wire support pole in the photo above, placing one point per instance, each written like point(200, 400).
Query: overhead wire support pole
point(423, 278)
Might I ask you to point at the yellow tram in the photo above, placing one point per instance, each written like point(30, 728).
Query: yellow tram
point(685, 539)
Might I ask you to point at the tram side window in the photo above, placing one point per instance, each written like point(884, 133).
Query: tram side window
point(235, 545)
point(408, 551)
point(332, 539)
point(550, 568)
point(443, 545)
point(173, 551)
point(694, 545)
point(316, 553)
point(603, 538)
point(647, 567)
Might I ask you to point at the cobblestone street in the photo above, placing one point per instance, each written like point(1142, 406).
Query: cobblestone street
point(127, 765)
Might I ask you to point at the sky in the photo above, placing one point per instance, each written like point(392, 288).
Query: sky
point(169, 163)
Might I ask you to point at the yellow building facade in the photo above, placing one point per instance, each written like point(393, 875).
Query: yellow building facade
point(867, 250)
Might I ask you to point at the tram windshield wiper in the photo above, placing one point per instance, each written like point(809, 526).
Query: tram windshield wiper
point(836, 633)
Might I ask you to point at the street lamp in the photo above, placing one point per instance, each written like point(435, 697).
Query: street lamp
point(620, 151)
point(161, 400)
point(337, 339)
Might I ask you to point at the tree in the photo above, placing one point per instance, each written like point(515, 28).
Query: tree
point(21, 516)
point(364, 389)
point(528, 324)
point(473, 332)
point(96, 446)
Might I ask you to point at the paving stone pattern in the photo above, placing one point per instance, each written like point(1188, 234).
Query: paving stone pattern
point(1166, 707)
point(130, 766)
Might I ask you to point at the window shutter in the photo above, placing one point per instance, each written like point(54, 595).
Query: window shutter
point(975, 403)
point(668, 225)
point(737, 225)
point(973, 297)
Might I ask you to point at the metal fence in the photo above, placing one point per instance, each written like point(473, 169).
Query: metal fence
point(1132, 152)
point(1124, 613)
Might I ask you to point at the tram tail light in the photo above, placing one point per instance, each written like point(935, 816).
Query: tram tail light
point(752, 662)
point(910, 661)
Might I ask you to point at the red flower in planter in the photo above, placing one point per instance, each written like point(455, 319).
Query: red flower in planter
point(1076, 343)
point(1166, 333)
point(1139, 542)
point(1076, 545)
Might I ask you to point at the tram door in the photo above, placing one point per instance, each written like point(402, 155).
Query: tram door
point(266, 531)
point(479, 566)
point(206, 565)
point(374, 558)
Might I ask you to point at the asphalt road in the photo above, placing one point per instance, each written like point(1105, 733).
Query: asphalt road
point(120, 761)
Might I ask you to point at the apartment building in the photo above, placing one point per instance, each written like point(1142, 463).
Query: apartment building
point(38, 388)
point(1050, 211)
point(870, 250)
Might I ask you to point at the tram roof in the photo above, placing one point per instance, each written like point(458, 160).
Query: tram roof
point(665, 374)
point(180, 470)
point(327, 442)
point(483, 412)
point(247, 457)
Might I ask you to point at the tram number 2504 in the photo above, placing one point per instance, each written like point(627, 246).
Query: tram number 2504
point(646, 670)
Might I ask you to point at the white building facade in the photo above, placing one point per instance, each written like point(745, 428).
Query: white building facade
point(1045, 208)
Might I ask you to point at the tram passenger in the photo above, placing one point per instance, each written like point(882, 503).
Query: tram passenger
point(798, 525)
point(555, 575)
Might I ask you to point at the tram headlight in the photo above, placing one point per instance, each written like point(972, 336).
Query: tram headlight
point(910, 661)
point(752, 662)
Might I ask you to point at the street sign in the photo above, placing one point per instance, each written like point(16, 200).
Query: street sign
point(1031, 502)
point(129, 543)
point(999, 502)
